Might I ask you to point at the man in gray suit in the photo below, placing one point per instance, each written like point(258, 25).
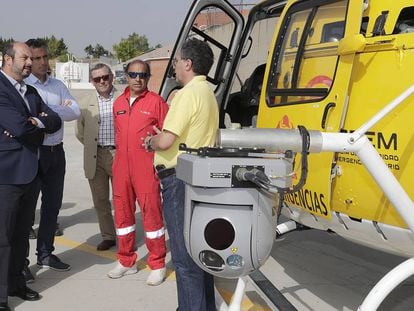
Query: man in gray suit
point(95, 131)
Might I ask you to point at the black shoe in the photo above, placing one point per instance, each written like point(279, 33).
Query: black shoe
point(25, 293)
point(4, 306)
point(32, 234)
point(28, 276)
point(53, 262)
point(105, 245)
point(58, 232)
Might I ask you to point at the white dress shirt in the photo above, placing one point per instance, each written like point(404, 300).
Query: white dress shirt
point(55, 93)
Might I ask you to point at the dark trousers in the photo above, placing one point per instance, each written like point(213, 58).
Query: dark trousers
point(52, 165)
point(17, 205)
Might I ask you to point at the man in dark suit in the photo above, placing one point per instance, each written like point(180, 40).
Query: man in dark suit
point(24, 120)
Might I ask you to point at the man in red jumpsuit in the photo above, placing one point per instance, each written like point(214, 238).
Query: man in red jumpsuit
point(136, 111)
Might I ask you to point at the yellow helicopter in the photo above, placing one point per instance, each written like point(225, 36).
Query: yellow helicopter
point(341, 70)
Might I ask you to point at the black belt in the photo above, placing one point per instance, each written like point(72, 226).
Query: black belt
point(163, 172)
point(109, 147)
point(52, 148)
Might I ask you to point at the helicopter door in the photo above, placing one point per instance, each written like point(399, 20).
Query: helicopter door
point(221, 25)
point(307, 84)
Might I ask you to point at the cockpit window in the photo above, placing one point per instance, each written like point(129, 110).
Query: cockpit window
point(305, 56)
point(333, 32)
point(405, 22)
point(364, 25)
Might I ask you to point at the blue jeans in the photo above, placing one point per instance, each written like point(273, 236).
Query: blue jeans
point(195, 288)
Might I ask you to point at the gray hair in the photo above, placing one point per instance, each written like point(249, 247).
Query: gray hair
point(100, 66)
point(200, 54)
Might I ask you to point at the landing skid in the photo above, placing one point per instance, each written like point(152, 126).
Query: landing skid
point(269, 293)
point(387, 284)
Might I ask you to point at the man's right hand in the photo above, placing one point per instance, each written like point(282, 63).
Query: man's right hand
point(33, 121)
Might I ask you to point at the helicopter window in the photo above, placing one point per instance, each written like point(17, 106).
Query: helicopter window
point(364, 25)
point(405, 22)
point(333, 32)
point(244, 93)
point(304, 72)
point(286, 59)
point(216, 27)
point(294, 38)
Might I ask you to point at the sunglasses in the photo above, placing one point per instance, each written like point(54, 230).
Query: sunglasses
point(98, 79)
point(141, 75)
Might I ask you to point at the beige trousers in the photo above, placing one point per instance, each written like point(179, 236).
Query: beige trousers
point(100, 193)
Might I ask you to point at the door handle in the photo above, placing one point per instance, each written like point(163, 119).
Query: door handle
point(325, 113)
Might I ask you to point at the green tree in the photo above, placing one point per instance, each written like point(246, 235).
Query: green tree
point(57, 47)
point(3, 42)
point(89, 50)
point(99, 51)
point(96, 51)
point(130, 47)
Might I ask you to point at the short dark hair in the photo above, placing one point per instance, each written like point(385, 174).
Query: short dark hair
point(37, 43)
point(99, 66)
point(8, 49)
point(138, 61)
point(200, 54)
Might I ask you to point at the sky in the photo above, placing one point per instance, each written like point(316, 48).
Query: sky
point(84, 22)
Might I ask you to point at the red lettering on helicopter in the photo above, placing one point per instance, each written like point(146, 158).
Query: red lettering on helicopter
point(309, 200)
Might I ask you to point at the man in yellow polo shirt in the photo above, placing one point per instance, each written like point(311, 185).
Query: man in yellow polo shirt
point(193, 120)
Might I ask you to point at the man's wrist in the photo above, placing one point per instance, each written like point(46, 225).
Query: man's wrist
point(148, 144)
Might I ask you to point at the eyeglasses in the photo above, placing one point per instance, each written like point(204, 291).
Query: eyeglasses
point(141, 75)
point(175, 60)
point(98, 79)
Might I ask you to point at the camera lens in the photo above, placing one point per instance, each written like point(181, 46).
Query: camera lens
point(219, 234)
point(211, 260)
